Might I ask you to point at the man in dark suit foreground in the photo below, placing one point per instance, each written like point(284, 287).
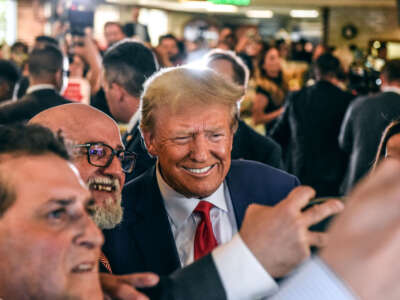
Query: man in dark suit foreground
point(194, 199)
point(46, 80)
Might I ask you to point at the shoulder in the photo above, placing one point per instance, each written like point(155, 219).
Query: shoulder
point(254, 173)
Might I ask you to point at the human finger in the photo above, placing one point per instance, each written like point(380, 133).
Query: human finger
point(319, 212)
point(299, 197)
point(140, 280)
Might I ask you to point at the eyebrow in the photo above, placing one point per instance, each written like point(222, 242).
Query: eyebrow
point(62, 202)
point(119, 147)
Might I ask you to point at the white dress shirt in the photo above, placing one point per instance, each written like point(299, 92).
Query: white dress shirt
point(38, 87)
point(184, 222)
point(242, 276)
point(314, 280)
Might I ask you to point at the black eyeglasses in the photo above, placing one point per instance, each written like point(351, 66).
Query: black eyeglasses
point(101, 155)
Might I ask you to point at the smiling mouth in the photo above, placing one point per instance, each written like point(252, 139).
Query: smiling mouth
point(103, 184)
point(102, 187)
point(83, 268)
point(199, 171)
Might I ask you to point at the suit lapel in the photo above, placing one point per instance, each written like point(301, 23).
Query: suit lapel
point(151, 229)
point(240, 200)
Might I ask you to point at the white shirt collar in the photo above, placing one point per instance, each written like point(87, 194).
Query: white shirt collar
point(133, 121)
point(393, 89)
point(38, 87)
point(179, 207)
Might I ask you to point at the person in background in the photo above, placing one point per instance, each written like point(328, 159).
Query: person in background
point(389, 147)
point(168, 52)
point(309, 128)
point(46, 79)
point(19, 54)
point(9, 77)
point(113, 32)
point(122, 93)
point(271, 89)
point(364, 122)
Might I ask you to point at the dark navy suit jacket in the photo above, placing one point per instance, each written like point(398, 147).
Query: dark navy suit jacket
point(144, 240)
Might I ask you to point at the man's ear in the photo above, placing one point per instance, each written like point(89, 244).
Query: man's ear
point(118, 91)
point(150, 143)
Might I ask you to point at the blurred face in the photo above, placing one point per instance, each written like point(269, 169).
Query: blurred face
point(113, 34)
point(272, 62)
point(223, 67)
point(105, 183)
point(193, 146)
point(50, 243)
point(393, 147)
point(170, 47)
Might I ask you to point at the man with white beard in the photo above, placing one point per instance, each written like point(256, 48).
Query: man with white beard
point(95, 155)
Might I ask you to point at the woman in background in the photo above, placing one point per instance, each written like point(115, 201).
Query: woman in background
point(271, 88)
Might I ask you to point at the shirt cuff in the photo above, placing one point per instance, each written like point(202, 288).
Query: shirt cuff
point(241, 274)
point(314, 281)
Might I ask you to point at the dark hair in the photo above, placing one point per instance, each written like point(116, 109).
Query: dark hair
point(26, 140)
point(391, 70)
point(19, 45)
point(327, 65)
point(45, 60)
point(237, 64)
point(263, 73)
point(9, 74)
point(129, 64)
point(168, 36)
point(45, 39)
point(392, 129)
point(112, 23)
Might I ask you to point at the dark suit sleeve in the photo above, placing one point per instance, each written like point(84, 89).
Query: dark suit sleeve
point(197, 281)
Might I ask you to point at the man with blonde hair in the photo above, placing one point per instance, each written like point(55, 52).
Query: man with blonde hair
point(195, 198)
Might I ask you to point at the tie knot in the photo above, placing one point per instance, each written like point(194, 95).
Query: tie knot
point(204, 207)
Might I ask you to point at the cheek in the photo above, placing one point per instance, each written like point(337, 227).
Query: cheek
point(85, 169)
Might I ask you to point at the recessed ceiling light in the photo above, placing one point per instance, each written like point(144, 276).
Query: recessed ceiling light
point(299, 13)
point(267, 14)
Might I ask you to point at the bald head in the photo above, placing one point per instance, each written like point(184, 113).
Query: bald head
point(93, 134)
point(72, 119)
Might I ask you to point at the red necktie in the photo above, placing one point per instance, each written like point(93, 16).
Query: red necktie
point(204, 240)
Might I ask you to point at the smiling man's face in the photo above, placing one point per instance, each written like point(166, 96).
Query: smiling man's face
point(50, 244)
point(193, 147)
point(82, 124)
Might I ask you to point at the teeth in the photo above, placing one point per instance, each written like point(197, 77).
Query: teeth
point(103, 184)
point(83, 268)
point(198, 171)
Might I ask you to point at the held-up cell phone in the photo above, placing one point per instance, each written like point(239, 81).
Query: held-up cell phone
point(79, 20)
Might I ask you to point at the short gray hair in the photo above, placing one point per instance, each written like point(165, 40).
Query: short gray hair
point(185, 86)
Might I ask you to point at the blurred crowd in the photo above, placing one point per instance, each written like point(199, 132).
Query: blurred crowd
point(200, 178)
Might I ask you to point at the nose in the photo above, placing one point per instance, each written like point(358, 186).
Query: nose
point(199, 149)
point(90, 235)
point(115, 170)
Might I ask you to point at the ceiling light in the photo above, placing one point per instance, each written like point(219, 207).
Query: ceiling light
point(266, 14)
point(298, 13)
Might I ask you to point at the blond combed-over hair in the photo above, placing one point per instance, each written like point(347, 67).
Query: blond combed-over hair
point(179, 87)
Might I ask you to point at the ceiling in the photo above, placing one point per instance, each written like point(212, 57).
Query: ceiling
point(270, 3)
